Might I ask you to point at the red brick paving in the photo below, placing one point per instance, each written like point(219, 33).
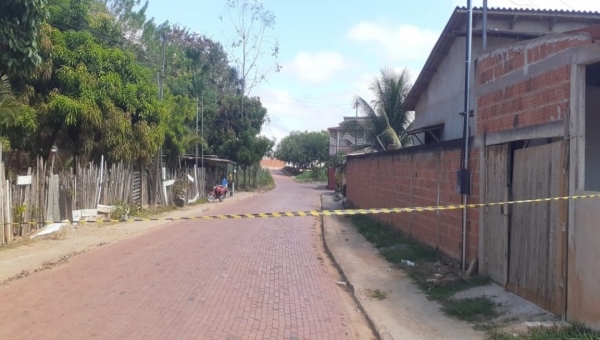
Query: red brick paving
point(231, 279)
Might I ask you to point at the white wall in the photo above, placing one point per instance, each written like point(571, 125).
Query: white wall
point(444, 98)
point(592, 138)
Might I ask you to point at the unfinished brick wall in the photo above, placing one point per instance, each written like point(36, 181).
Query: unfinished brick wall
point(529, 100)
point(415, 177)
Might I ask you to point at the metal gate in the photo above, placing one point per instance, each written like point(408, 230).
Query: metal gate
point(538, 229)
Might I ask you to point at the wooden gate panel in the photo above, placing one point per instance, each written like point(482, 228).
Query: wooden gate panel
point(496, 221)
point(535, 263)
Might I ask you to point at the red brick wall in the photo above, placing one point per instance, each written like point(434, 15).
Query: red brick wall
point(504, 60)
point(411, 178)
point(533, 100)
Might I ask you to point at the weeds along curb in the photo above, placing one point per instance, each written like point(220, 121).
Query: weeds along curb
point(345, 278)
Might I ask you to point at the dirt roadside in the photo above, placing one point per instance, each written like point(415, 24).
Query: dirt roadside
point(403, 311)
point(44, 252)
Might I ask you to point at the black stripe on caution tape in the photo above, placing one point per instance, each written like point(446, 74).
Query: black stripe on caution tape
point(316, 213)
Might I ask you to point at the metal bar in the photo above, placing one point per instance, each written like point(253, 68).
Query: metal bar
point(485, 13)
point(466, 127)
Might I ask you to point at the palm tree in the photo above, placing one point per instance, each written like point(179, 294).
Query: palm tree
point(387, 123)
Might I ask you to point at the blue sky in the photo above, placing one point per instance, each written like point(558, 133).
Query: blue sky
point(330, 50)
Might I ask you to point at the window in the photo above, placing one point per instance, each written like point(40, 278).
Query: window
point(433, 136)
point(428, 134)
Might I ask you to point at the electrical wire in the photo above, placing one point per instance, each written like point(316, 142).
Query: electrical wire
point(301, 100)
point(299, 105)
point(566, 4)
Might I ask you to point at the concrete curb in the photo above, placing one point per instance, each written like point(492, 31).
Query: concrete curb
point(345, 278)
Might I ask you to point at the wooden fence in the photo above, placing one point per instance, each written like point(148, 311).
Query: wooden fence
point(31, 199)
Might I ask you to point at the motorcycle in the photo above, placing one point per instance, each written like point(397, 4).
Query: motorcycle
point(218, 192)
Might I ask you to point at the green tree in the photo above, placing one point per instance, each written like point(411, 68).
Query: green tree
point(20, 23)
point(96, 100)
point(387, 123)
point(90, 86)
point(304, 149)
point(16, 121)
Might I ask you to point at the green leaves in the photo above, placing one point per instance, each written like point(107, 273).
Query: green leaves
point(387, 122)
point(84, 74)
point(304, 149)
point(20, 23)
point(106, 104)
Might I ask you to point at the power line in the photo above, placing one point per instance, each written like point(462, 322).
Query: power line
point(302, 105)
point(303, 101)
point(566, 4)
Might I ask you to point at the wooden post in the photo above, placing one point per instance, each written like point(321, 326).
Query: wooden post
point(25, 228)
point(2, 226)
point(7, 218)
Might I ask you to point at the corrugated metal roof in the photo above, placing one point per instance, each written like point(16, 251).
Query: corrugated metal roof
point(459, 19)
point(528, 10)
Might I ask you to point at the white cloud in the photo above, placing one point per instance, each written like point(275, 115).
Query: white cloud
point(288, 113)
point(316, 67)
point(401, 43)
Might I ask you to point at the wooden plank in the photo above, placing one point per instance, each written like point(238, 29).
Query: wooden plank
point(2, 221)
point(26, 228)
point(496, 220)
point(534, 271)
point(7, 213)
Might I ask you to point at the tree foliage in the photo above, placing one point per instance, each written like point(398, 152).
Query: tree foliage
point(240, 133)
point(81, 75)
point(304, 149)
point(20, 23)
point(387, 122)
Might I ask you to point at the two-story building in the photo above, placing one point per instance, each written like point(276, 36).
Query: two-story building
point(344, 142)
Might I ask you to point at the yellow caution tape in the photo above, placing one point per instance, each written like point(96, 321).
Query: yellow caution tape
point(340, 212)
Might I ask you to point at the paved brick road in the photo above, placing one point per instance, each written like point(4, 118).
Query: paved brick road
point(231, 279)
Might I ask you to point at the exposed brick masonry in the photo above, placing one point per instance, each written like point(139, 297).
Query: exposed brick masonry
point(504, 60)
point(408, 178)
point(534, 100)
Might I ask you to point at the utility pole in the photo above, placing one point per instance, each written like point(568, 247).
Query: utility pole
point(485, 15)
point(356, 125)
point(197, 113)
point(203, 129)
point(464, 174)
point(161, 83)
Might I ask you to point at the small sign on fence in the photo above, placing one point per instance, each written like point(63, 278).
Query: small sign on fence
point(76, 215)
point(89, 212)
point(106, 209)
point(24, 180)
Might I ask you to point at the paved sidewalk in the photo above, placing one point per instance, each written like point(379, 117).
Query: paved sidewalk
point(405, 313)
